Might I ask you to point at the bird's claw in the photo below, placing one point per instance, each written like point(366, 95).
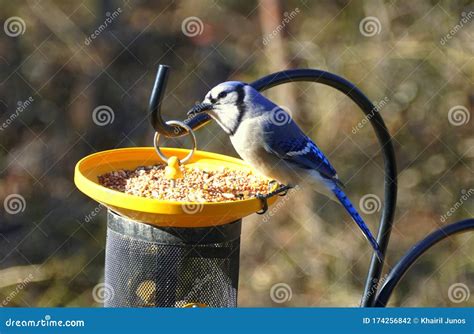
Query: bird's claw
point(281, 191)
point(263, 200)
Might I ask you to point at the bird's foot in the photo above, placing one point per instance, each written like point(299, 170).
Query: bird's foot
point(281, 191)
point(263, 199)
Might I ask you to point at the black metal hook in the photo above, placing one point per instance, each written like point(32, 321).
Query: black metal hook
point(156, 99)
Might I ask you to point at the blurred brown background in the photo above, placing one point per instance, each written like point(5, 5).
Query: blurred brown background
point(60, 60)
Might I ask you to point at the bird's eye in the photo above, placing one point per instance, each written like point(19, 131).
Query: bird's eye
point(222, 95)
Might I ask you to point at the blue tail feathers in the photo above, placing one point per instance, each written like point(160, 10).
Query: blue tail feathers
point(341, 196)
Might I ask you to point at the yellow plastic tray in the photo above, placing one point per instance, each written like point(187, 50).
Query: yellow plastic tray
point(159, 212)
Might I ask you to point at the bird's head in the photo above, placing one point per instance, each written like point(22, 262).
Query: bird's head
point(227, 103)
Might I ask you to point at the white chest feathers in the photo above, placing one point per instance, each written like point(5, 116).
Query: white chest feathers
point(248, 139)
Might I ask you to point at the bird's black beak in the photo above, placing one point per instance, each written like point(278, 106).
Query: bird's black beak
point(200, 108)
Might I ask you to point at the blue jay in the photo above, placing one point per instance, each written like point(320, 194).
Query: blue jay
point(266, 137)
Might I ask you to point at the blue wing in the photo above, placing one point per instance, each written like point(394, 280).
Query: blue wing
point(289, 143)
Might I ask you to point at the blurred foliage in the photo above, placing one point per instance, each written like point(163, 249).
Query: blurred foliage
point(310, 243)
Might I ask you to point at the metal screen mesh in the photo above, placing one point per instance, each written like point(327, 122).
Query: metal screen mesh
point(148, 266)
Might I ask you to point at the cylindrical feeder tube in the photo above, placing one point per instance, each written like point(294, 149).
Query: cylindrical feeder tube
point(151, 266)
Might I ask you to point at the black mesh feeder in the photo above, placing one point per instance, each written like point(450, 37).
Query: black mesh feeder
point(171, 267)
point(186, 254)
point(164, 253)
point(168, 253)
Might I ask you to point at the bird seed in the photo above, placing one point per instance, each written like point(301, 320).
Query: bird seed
point(196, 185)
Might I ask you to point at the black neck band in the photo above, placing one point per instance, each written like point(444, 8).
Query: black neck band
point(241, 107)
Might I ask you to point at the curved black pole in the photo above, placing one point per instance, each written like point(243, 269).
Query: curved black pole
point(349, 89)
point(385, 141)
point(414, 253)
